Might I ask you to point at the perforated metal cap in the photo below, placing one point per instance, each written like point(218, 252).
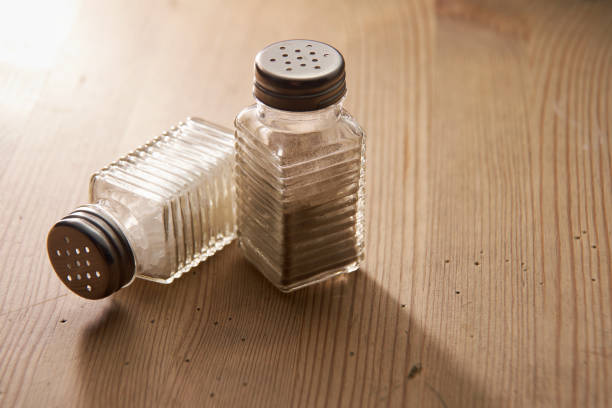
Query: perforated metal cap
point(90, 254)
point(299, 75)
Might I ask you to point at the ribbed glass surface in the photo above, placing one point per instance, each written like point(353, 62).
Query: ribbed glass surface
point(300, 193)
point(174, 197)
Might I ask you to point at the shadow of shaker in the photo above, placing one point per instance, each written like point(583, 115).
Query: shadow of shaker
point(223, 336)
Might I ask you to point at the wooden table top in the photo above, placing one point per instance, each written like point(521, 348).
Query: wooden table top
point(488, 279)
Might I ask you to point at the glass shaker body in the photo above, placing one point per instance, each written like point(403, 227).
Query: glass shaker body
point(166, 206)
point(300, 182)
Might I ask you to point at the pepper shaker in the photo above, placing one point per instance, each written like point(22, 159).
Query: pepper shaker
point(300, 168)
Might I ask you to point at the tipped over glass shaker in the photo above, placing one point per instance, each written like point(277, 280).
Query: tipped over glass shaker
point(154, 214)
point(300, 168)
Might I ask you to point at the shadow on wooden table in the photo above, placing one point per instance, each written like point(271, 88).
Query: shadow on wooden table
point(225, 336)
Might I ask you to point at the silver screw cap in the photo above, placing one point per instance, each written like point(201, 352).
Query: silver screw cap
point(90, 254)
point(299, 75)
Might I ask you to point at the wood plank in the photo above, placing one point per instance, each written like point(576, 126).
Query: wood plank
point(488, 279)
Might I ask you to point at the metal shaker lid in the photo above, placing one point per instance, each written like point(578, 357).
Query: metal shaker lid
point(299, 75)
point(90, 254)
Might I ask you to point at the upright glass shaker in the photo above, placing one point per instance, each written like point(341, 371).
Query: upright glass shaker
point(300, 168)
point(154, 214)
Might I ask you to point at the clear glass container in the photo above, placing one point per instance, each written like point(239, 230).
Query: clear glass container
point(300, 187)
point(164, 208)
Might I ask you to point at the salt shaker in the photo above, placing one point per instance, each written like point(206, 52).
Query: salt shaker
point(154, 214)
point(300, 168)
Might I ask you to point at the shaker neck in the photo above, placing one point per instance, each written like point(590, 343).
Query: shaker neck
point(298, 122)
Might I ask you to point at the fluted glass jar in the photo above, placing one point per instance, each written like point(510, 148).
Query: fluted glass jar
point(154, 214)
point(300, 168)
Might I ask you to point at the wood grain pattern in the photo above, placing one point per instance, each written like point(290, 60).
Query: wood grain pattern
point(488, 279)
